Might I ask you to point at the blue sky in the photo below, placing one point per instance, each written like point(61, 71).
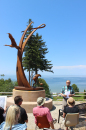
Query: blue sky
point(64, 34)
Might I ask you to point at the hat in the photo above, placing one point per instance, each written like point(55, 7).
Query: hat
point(40, 101)
point(71, 102)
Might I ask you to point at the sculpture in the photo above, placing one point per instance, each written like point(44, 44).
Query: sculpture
point(35, 78)
point(21, 78)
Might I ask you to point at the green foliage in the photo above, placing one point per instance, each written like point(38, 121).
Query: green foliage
point(85, 94)
point(45, 86)
point(7, 85)
point(34, 56)
point(76, 89)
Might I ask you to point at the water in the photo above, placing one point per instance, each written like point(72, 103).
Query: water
point(56, 83)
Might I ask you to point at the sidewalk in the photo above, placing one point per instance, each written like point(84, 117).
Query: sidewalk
point(54, 112)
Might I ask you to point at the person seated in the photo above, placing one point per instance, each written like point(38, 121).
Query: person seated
point(40, 110)
point(23, 115)
point(11, 122)
point(71, 108)
point(2, 111)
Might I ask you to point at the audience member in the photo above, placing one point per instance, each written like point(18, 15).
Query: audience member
point(11, 122)
point(71, 108)
point(23, 115)
point(1, 115)
point(40, 110)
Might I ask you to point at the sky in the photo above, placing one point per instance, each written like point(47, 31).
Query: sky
point(64, 34)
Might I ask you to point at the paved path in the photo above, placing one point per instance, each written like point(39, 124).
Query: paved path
point(54, 112)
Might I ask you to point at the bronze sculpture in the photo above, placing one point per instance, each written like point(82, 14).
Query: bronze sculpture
point(35, 78)
point(21, 78)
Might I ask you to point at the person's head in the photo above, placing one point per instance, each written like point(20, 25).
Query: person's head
point(71, 101)
point(18, 100)
point(68, 82)
point(40, 101)
point(12, 116)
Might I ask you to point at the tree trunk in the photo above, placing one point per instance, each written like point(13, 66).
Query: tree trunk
point(36, 71)
point(29, 75)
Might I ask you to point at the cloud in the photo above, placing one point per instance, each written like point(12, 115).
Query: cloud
point(70, 67)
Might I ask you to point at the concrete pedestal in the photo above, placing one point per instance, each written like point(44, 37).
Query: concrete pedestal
point(29, 99)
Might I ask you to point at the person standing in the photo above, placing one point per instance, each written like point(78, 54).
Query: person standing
point(66, 92)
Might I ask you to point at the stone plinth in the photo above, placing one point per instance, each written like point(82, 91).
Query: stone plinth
point(29, 96)
point(29, 99)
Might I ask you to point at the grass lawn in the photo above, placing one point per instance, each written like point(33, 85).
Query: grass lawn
point(78, 98)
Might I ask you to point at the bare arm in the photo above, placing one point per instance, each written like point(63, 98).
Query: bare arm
point(71, 95)
point(63, 95)
point(64, 114)
point(51, 125)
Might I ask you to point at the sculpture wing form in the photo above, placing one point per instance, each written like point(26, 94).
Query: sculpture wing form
point(13, 43)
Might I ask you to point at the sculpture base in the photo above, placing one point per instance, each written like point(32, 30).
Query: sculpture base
point(29, 99)
point(28, 89)
point(28, 106)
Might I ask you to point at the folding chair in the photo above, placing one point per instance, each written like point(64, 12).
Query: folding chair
point(60, 114)
point(42, 122)
point(71, 120)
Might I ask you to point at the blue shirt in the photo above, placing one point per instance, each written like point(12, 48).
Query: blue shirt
point(69, 88)
point(14, 127)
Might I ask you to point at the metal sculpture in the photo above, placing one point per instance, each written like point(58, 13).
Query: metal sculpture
point(35, 78)
point(21, 78)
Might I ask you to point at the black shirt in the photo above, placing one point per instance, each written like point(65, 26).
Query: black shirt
point(71, 110)
point(23, 115)
point(1, 115)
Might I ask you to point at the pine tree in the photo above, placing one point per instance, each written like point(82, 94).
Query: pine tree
point(34, 56)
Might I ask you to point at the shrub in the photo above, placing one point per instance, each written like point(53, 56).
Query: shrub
point(45, 86)
point(76, 89)
point(85, 94)
point(7, 85)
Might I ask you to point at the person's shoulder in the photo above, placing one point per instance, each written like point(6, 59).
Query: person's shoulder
point(35, 108)
point(22, 108)
point(47, 109)
point(20, 126)
point(2, 124)
point(71, 87)
point(63, 87)
point(75, 107)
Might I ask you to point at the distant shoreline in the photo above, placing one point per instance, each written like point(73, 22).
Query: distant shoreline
point(56, 83)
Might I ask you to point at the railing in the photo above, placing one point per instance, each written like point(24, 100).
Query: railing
point(53, 95)
point(6, 94)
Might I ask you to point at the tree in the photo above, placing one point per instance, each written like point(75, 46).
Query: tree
point(45, 86)
point(7, 85)
point(34, 56)
point(85, 94)
point(76, 89)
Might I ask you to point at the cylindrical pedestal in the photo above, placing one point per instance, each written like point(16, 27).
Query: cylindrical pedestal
point(29, 99)
point(29, 96)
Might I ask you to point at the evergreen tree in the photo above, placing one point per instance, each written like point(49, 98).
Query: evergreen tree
point(76, 89)
point(34, 56)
